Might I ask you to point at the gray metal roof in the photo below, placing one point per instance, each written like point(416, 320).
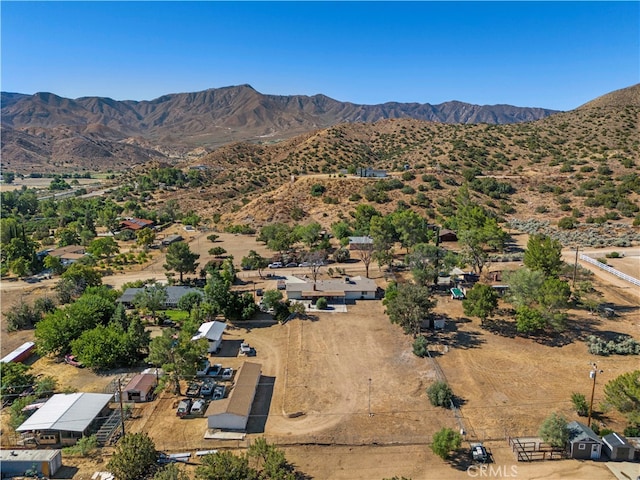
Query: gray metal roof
point(361, 240)
point(71, 412)
point(615, 440)
point(174, 294)
point(579, 432)
point(210, 331)
point(28, 455)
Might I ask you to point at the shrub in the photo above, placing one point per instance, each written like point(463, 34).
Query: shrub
point(612, 255)
point(317, 189)
point(580, 404)
point(567, 223)
point(321, 303)
point(621, 345)
point(440, 394)
point(445, 441)
point(420, 346)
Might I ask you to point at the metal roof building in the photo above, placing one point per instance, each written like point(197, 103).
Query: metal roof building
point(212, 331)
point(174, 294)
point(233, 413)
point(17, 462)
point(66, 417)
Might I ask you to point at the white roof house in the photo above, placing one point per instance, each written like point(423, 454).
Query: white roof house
point(212, 331)
point(70, 412)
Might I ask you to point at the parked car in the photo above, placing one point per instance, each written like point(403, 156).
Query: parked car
point(275, 265)
point(198, 407)
point(259, 292)
point(73, 361)
point(227, 374)
point(291, 264)
point(219, 392)
point(184, 407)
point(193, 390)
point(479, 453)
point(244, 348)
point(207, 388)
point(215, 370)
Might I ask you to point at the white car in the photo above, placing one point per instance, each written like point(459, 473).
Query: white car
point(275, 265)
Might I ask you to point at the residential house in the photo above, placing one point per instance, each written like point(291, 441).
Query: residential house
point(360, 243)
point(68, 254)
point(171, 239)
point(583, 443)
point(445, 235)
point(174, 294)
point(335, 291)
point(136, 224)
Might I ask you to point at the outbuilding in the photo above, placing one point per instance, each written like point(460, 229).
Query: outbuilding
point(618, 447)
point(20, 354)
point(140, 388)
point(19, 462)
point(233, 413)
point(347, 288)
point(583, 443)
point(67, 417)
point(212, 331)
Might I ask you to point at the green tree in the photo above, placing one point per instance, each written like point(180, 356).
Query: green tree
point(411, 228)
point(108, 218)
point(440, 394)
point(362, 217)
point(189, 301)
point(217, 251)
point(543, 254)
point(481, 301)
point(20, 267)
point(179, 357)
point(445, 441)
point(103, 247)
point(529, 320)
point(341, 229)
point(409, 307)
point(420, 346)
point(623, 394)
point(426, 261)
point(341, 255)
point(135, 457)
point(524, 286)
point(309, 234)
point(554, 430)
point(269, 461)
point(152, 297)
point(580, 404)
point(254, 261)
point(225, 465)
point(54, 264)
point(67, 236)
point(145, 237)
point(181, 259)
point(14, 379)
point(271, 297)
point(383, 233)
point(321, 303)
point(278, 237)
point(22, 315)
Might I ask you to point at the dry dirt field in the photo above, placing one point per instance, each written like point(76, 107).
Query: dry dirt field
point(320, 368)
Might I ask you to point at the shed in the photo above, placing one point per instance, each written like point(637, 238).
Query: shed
point(583, 443)
point(618, 447)
point(174, 294)
point(17, 462)
point(171, 239)
point(140, 388)
point(446, 235)
point(233, 413)
point(67, 417)
point(212, 331)
point(20, 354)
point(360, 243)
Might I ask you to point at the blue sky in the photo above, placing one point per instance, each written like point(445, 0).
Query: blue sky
point(538, 54)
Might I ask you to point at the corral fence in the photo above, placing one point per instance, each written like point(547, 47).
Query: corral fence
point(610, 270)
point(531, 449)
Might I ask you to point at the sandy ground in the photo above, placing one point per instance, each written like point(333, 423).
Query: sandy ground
point(321, 367)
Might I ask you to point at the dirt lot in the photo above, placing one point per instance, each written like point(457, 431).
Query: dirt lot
point(321, 368)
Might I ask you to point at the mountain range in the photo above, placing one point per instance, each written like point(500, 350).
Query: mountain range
point(45, 130)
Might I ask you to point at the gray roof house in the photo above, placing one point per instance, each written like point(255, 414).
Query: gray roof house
point(357, 243)
point(67, 417)
point(618, 447)
point(174, 294)
point(583, 443)
point(212, 331)
point(348, 288)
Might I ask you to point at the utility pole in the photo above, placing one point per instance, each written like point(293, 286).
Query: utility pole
point(121, 409)
point(575, 268)
point(592, 374)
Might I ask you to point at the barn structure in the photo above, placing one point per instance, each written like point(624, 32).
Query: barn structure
point(19, 462)
point(583, 442)
point(212, 331)
point(233, 413)
point(140, 388)
point(67, 417)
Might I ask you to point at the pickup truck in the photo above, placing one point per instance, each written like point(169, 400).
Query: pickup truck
point(215, 370)
point(184, 407)
point(193, 390)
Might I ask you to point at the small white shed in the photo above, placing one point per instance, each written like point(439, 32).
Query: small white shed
point(212, 331)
